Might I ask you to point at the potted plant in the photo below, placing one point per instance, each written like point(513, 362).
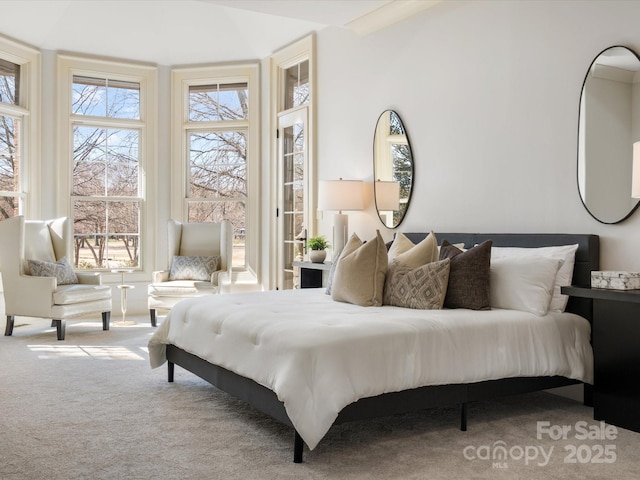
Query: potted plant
point(318, 247)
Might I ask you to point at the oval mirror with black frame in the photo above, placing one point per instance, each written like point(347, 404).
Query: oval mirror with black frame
point(392, 169)
point(608, 125)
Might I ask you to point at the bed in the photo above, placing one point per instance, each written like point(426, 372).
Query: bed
point(284, 351)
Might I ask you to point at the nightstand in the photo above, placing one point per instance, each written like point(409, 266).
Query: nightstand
point(313, 275)
point(616, 353)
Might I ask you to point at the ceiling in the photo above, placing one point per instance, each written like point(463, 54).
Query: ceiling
point(180, 32)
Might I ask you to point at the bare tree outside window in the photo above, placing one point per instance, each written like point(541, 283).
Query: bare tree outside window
point(106, 163)
point(217, 171)
point(9, 142)
point(402, 164)
point(297, 85)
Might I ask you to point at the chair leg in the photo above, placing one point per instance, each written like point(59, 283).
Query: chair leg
point(60, 328)
point(8, 330)
point(152, 312)
point(53, 323)
point(106, 316)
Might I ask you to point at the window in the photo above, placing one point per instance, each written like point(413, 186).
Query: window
point(218, 159)
point(9, 82)
point(296, 91)
point(218, 139)
point(106, 186)
point(106, 118)
point(294, 160)
point(18, 71)
point(10, 149)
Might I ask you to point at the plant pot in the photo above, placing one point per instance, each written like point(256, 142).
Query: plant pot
point(317, 256)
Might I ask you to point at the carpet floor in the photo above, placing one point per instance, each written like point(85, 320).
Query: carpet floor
point(90, 407)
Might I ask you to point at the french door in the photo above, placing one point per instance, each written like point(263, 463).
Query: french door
point(293, 212)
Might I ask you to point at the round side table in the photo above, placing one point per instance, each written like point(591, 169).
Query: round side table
point(124, 288)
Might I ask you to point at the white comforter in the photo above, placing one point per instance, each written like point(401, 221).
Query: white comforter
point(319, 355)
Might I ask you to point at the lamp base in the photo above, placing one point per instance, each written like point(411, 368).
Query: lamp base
point(340, 232)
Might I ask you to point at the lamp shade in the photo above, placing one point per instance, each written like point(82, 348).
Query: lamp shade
point(635, 175)
point(340, 195)
point(387, 195)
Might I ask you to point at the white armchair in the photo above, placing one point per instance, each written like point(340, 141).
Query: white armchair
point(188, 240)
point(43, 296)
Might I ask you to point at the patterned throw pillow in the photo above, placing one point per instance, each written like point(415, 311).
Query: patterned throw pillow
point(193, 267)
point(62, 270)
point(423, 288)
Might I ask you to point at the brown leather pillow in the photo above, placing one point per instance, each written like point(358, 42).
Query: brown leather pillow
point(469, 276)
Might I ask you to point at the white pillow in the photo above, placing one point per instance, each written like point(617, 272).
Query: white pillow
point(523, 282)
point(567, 253)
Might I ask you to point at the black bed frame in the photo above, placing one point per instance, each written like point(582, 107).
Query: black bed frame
point(266, 401)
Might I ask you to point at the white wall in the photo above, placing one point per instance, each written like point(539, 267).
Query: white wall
point(489, 94)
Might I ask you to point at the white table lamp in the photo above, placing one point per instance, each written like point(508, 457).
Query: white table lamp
point(340, 195)
point(387, 195)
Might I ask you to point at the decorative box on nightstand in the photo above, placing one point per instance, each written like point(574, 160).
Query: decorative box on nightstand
point(613, 280)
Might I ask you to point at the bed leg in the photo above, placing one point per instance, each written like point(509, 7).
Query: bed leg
point(588, 395)
point(170, 369)
point(463, 417)
point(60, 328)
point(8, 330)
point(298, 446)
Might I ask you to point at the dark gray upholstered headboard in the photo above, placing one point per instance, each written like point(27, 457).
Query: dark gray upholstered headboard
point(587, 255)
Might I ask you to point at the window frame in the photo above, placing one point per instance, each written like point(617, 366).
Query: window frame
point(279, 62)
point(72, 65)
point(181, 126)
point(28, 111)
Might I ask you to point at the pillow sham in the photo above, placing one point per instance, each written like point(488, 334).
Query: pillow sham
point(399, 244)
point(422, 288)
point(193, 267)
point(523, 283)
point(413, 255)
point(566, 253)
point(469, 276)
point(62, 270)
point(360, 272)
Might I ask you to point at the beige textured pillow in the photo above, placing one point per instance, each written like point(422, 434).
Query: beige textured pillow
point(399, 245)
point(360, 272)
point(404, 250)
point(424, 287)
point(424, 252)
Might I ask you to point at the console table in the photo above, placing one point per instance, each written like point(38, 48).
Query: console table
point(616, 351)
point(312, 274)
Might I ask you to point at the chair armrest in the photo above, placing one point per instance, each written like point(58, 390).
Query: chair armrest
point(160, 276)
point(34, 281)
point(29, 295)
point(221, 279)
point(89, 278)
